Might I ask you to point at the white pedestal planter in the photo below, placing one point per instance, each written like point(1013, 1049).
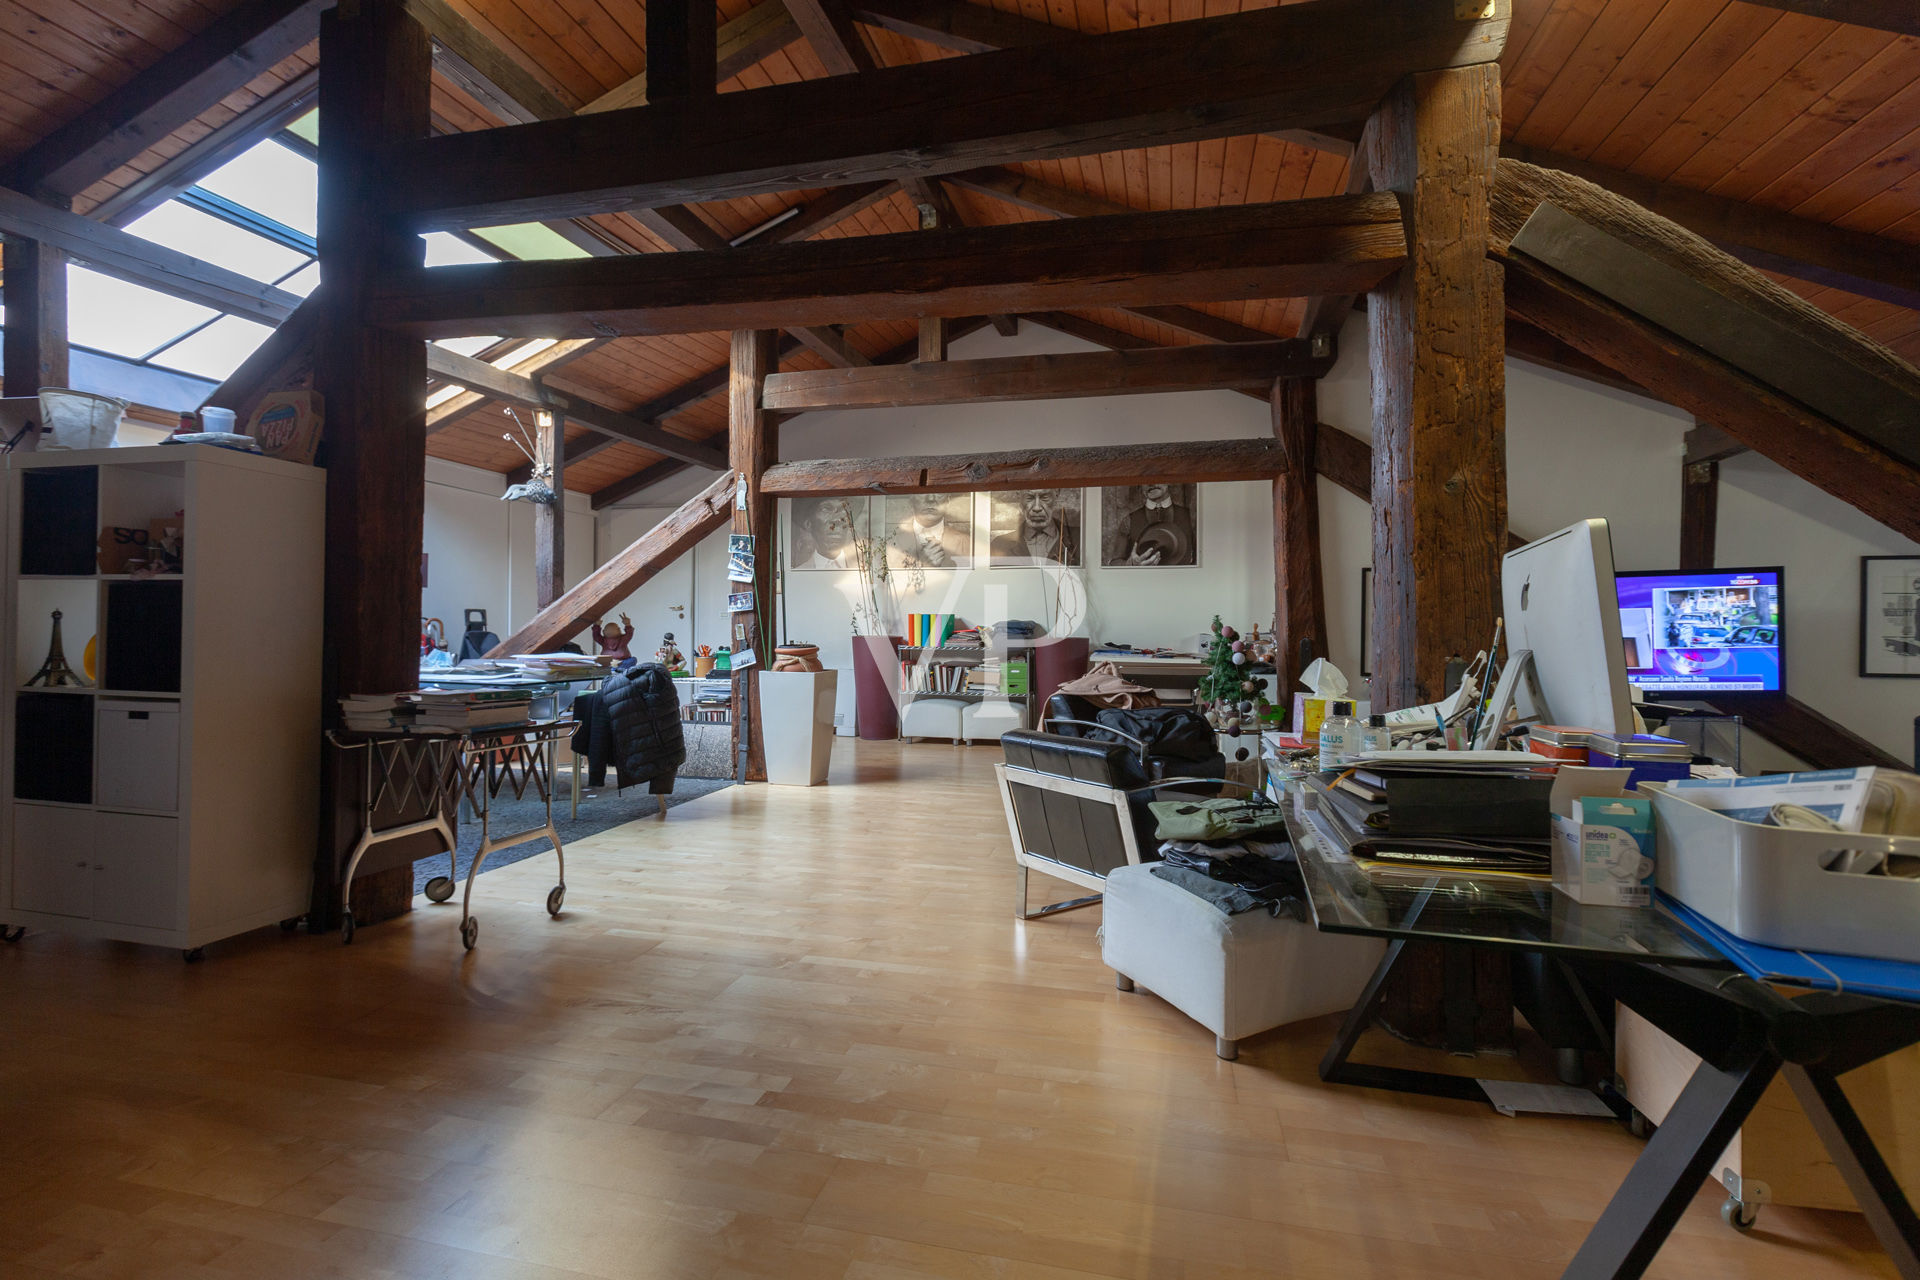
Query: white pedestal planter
point(796, 724)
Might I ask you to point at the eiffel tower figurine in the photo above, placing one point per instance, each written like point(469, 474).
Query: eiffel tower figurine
point(54, 673)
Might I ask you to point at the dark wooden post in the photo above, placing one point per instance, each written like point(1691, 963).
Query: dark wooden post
point(550, 518)
point(373, 91)
point(681, 40)
point(934, 331)
point(1699, 514)
point(1436, 330)
point(1299, 601)
point(35, 342)
point(752, 444)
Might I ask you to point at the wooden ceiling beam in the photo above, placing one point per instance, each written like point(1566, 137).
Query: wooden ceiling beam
point(959, 26)
point(1901, 16)
point(1045, 377)
point(831, 345)
point(1817, 252)
point(1291, 249)
point(681, 49)
point(1183, 462)
point(1185, 81)
point(756, 34)
point(485, 71)
point(231, 51)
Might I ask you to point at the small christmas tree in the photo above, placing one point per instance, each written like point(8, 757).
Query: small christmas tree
point(1233, 700)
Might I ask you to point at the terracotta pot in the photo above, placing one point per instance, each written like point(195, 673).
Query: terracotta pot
point(797, 657)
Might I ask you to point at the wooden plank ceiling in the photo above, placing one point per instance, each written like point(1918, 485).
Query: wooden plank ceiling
point(1755, 104)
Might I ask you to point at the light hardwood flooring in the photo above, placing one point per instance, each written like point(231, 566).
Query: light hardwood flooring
point(784, 1033)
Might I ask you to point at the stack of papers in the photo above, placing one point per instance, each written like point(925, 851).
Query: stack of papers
point(1839, 795)
point(1476, 763)
point(454, 709)
point(376, 712)
point(561, 666)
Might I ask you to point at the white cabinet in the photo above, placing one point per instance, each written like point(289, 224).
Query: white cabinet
point(174, 800)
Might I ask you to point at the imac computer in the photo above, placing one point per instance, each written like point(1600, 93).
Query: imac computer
point(1560, 604)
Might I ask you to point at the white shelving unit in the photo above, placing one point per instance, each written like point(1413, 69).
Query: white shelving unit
point(176, 802)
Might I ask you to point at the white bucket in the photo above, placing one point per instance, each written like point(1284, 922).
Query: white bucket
point(72, 419)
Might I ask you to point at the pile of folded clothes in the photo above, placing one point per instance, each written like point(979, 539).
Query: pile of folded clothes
point(1231, 852)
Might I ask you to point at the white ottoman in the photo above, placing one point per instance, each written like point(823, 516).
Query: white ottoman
point(1235, 975)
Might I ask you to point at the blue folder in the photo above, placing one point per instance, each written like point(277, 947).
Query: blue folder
point(1821, 970)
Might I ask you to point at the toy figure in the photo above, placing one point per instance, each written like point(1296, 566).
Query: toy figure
point(613, 641)
point(668, 654)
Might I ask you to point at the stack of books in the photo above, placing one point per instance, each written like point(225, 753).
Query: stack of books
point(377, 712)
point(1474, 812)
point(456, 709)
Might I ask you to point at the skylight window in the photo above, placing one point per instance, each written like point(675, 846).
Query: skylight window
point(214, 240)
point(125, 319)
point(446, 250)
point(217, 350)
point(271, 179)
point(304, 281)
point(531, 240)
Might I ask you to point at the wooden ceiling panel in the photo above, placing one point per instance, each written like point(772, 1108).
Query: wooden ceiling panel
point(603, 468)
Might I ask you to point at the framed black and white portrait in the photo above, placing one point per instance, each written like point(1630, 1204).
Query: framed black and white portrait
point(822, 532)
point(1890, 616)
point(1034, 527)
point(929, 530)
point(1144, 526)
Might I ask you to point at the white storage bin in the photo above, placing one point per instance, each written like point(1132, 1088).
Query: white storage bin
point(137, 745)
point(1768, 884)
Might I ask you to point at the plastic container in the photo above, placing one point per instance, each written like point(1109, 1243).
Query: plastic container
point(72, 419)
point(214, 418)
point(1651, 758)
point(1770, 885)
point(1560, 742)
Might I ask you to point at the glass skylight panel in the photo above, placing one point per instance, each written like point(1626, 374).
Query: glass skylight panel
point(216, 350)
point(212, 240)
point(303, 282)
point(525, 351)
point(125, 319)
point(531, 240)
point(273, 180)
point(445, 250)
point(307, 126)
point(465, 346)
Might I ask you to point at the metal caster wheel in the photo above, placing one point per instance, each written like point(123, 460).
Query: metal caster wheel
point(556, 899)
point(439, 889)
point(1738, 1214)
point(470, 932)
point(346, 928)
point(194, 955)
point(291, 923)
point(14, 934)
point(1638, 1125)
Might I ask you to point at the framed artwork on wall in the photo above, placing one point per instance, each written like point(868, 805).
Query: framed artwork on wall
point(928, 530)
point(821, 532)
point(1890, 616)
point(1149, 526)
point(1366, 624)
point(1035, 527)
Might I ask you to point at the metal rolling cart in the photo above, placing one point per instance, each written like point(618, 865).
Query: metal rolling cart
point(440, 770)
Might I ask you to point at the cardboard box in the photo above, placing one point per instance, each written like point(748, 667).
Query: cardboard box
point(120, 546)
point(287, 424)
point(1603, 851)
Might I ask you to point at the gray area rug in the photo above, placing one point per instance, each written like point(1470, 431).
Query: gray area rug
point(600, 808)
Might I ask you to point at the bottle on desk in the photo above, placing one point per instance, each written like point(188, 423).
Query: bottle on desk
point(1375, 736)
point(1339, 735)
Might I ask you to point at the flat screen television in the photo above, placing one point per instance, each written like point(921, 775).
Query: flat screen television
point(1722, 631)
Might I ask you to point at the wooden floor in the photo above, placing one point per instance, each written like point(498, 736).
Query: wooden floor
point(784, 1033)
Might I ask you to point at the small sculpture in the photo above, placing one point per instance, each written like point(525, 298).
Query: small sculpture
point(669, 655)
point(614, 641)
point(54, 673)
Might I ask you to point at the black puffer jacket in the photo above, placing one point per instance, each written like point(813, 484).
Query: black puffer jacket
point(643, 711)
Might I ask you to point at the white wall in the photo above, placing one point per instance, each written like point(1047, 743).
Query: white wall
point(480, 549)
point(1574, 449)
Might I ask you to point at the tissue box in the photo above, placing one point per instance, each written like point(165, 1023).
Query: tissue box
point(1603, 853)
point(1309, 712)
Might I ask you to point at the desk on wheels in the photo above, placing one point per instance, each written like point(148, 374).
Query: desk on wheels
point(438, 771)
point(1649, 960)
point(533, 687)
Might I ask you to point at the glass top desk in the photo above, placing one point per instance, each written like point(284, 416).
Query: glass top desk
point(1743, 1031)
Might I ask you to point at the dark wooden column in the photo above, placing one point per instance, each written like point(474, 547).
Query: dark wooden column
point(752, 445)
point(1299, 601)
point(373, 91)
point(681, 39)
point(1436, 331)
point(550, 518)
point(35, 343)
point(1699, 514)
point(934, 332)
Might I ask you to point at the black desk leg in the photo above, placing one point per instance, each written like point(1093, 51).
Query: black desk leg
point(1462, 1008)
point(1669, 1173)
point(1874, 1187)
point(1335, 1069)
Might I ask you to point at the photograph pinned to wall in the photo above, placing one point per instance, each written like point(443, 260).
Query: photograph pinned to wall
point(929, 530)
point(1035, 527)
point(824, 533)
point(1145, 526)
point(740, 602)
point(740, 557)
point(1366, 624)
point(1890, 616)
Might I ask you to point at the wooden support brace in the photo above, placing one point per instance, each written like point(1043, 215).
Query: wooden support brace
point(1300, 610)
point(752, 443)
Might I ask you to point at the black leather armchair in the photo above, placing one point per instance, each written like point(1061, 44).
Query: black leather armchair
point(1178, 743)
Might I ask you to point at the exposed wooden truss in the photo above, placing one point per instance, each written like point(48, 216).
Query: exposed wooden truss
point(1888, 15)
point(1045, 377)
point(1294, 248)
point(1184, 462)
point(1186, 81)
